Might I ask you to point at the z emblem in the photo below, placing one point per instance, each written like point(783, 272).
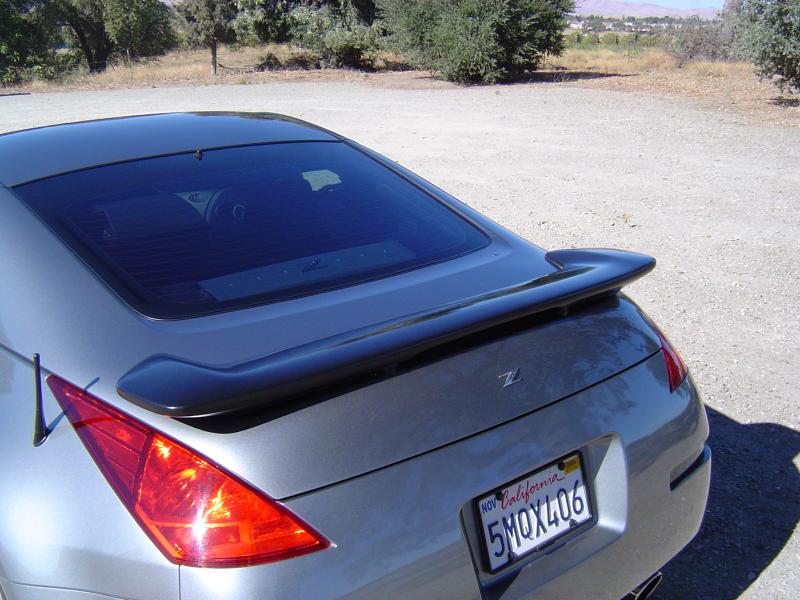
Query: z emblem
point(510, 378)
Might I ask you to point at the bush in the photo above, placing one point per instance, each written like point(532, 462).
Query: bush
point(263, 21)
point(645, 41)
point(770, 38)
point(610, 39)
point(297, 59)
point(336, 34)
point(696, 39)
point(57, 65)
point(14, 31)
point(466, 47)
point(139, 28)
point(26, 40)
point(477, 40)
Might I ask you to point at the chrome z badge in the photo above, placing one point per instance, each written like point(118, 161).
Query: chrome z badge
point(510, 378)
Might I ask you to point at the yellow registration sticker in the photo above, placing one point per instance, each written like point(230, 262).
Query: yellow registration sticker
point(571, 464)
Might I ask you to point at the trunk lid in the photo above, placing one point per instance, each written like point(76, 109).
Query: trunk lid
point(533, 363)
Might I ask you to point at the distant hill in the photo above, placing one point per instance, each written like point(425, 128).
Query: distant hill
point(614, 8)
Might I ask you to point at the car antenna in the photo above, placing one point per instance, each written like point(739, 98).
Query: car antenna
point(40, 432)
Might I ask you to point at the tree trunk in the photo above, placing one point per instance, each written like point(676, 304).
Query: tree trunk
point(99, 61)
point(83, 42)
point(214, 58)
point(96, 58)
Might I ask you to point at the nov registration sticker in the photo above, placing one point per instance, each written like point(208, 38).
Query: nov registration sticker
point(533, 512)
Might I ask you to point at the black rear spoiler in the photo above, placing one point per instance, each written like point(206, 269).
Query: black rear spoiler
point(173, 387)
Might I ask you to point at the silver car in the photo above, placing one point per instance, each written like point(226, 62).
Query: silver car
point(244, 357)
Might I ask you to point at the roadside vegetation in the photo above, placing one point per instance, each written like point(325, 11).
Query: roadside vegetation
point(100, 43)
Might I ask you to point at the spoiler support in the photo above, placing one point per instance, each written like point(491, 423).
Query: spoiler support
point(40, 431)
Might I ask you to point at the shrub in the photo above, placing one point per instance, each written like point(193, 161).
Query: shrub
point(263, 21)
point(297, 59)
point(15, 36)
point(646, 41)
point(770, 38)
point(466, 47)
point(477, 40)
point(610, 39)
point(695, 39)
point(336, 35)
point(57, 65)
point(29, 37)
point(139, 28)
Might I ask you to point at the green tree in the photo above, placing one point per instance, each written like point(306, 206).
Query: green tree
point(29, 35)
point(260, 21)
point(139, 27)
point(413, 28)
point(477, 40)
point(336, 32)
point(100, 27)
point(15, 32)
point(208, 23)
point(85, 22)
point(366, 10)
point(770, 38)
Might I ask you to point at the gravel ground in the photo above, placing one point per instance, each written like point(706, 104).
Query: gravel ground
point(713, 198)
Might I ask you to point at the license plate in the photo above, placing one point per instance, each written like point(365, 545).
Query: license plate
point(533, 512)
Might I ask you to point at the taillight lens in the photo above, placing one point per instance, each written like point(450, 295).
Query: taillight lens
point(197, 513)
point(676, 368)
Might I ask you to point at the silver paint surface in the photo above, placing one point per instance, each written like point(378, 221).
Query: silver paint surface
point(387, 471)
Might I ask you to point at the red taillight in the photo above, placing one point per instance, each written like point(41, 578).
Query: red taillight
point(676, 368)
point(194, 511)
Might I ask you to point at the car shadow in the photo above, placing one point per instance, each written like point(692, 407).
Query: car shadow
point(753, 507)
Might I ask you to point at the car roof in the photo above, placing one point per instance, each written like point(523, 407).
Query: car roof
point(45, 151)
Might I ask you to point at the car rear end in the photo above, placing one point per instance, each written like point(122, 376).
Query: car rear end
point(501, 440)
point(397, 492)
point(413, 529)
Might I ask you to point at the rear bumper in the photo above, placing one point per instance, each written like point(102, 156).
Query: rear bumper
point(409, 531)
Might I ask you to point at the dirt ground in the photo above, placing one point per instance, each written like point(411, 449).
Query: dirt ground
point(709, 193)
point(716, 85)
point(720, 87)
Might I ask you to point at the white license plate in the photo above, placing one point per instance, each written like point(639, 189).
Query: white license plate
point(533, 512)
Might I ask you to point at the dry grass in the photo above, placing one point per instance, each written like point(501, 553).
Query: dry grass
point(618, 62)
point(180, 67)
point(724, 86)
point(727, 87)
point(192, 67)
point(710, 68)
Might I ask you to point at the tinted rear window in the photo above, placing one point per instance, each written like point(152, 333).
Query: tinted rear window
point(191, 234)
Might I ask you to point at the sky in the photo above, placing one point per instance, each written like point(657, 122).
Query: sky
point(684, 3)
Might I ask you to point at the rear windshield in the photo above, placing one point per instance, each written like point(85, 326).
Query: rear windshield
point(191, 234)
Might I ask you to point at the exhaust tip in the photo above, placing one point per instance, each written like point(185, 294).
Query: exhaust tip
point(649, 587)
point(646, 589)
